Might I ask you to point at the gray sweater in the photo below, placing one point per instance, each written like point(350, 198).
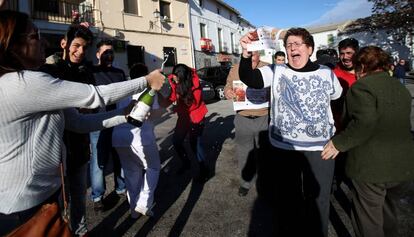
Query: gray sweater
point(35, 109)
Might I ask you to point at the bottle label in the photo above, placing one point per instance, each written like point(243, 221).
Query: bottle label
point(140, 111)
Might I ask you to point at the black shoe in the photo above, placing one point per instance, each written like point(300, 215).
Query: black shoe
point(243, 191)
point(186, 165)
point(98, 206)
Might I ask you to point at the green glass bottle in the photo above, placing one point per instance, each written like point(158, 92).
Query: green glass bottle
point(141, 108)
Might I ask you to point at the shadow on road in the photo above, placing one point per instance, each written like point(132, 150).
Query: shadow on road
point(217, 130)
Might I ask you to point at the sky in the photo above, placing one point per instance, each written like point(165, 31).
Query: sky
point(300, 13)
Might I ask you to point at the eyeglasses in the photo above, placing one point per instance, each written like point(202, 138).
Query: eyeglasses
point(296, 44)
point(33, 36)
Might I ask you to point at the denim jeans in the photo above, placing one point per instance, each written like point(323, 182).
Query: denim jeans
point(101, 150)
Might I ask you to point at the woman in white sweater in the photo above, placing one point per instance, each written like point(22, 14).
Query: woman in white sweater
point(35, 110)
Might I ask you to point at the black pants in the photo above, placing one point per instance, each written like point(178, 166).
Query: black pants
point(374, 212)
point(194, 131)
point(297, 184)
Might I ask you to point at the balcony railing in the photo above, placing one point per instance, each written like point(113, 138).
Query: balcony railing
point(61, 11)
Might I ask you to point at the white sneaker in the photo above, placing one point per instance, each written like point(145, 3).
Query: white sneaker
point(144, 211)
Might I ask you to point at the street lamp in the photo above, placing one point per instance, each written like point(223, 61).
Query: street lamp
point(156, 13)
point(157, 16)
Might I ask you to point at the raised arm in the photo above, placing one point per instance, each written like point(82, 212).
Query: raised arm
point(249, 76)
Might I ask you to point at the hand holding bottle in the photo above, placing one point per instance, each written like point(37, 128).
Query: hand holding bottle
point(155, 79)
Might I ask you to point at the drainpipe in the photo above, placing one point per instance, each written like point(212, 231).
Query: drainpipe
point(192, 44)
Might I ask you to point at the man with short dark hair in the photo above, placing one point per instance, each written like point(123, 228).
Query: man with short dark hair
point(280, 57)
point(72, 66)
point(101, 146)
point(345, 72)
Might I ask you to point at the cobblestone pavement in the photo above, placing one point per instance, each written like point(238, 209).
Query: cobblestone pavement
point(187, 208)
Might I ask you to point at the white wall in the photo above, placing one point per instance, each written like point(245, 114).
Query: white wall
point(321, 41)
point(207, 14)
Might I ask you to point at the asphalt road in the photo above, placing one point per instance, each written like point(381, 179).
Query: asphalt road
point(187, 208)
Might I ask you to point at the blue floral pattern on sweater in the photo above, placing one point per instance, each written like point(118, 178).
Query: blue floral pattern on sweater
point(301, 116)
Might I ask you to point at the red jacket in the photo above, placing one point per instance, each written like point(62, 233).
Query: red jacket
point(198, 109)
point(346, 79)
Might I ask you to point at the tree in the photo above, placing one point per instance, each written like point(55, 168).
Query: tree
point(395, 16)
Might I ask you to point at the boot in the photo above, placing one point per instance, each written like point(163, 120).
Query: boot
point(185, 165)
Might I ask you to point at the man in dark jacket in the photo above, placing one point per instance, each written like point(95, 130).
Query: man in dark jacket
point(101, 141)
point(71, 66)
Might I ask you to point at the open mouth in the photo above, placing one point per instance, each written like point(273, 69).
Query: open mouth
point(295, 56)
point(347, 63)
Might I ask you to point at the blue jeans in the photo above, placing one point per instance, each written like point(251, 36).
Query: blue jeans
point(101, 149)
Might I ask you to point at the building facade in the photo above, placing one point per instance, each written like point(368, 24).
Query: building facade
point(143, 31)
point(216, 31)
point(152, 31)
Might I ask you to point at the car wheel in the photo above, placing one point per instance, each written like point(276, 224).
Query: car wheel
point(220, 92)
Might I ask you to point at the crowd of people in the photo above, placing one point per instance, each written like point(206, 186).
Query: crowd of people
point(342, 118)
point(348, 105)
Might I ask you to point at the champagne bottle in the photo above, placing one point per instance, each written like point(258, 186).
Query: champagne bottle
point(141, 108)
